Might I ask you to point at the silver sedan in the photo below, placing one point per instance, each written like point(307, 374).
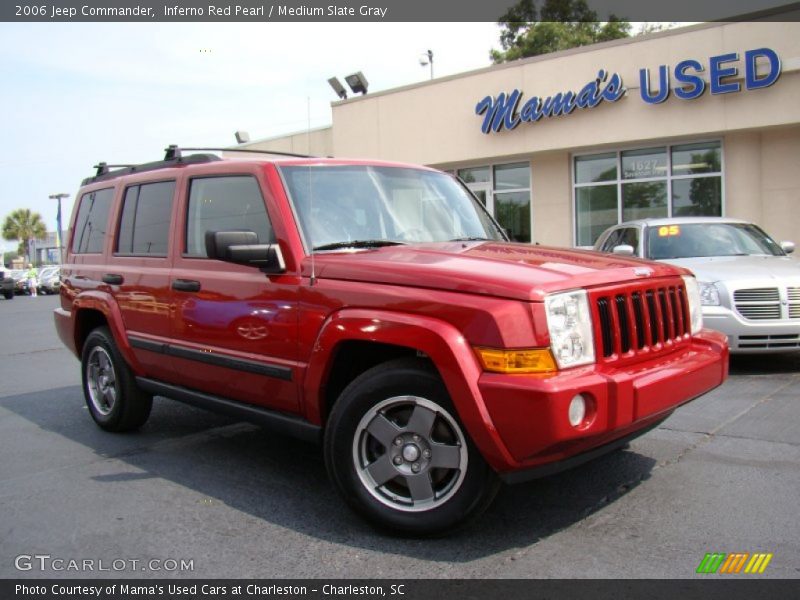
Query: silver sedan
point(749, 286)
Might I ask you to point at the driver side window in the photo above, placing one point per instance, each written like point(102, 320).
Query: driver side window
point(224, 203)
point(611, 241)
point(630, 236)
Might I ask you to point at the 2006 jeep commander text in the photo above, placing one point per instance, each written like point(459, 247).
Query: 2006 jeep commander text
point(379, 308)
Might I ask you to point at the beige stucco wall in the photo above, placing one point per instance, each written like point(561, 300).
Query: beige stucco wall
point(552, 217)
point(762, 179)
point(316, 142)
point(780, 183)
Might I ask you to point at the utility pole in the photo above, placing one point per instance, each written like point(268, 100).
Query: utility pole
point(58, 224)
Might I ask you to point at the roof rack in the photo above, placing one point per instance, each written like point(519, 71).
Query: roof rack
point(251, 151)
point(173, 155)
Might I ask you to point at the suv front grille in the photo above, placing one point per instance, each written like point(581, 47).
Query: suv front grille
point(644, 319)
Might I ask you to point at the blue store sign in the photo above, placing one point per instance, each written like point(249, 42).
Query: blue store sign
point(507, 110)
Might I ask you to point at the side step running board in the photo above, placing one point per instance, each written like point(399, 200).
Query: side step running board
point(269, 419)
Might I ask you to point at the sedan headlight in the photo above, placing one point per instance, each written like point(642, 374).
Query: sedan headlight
point(695, 302)
point(570, 325)
point(709, 294)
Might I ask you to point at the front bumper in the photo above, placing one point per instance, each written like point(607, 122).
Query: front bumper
point(530, 412)
point(747, 336)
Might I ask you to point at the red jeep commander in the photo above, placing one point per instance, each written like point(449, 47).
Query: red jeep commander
point(380, 309)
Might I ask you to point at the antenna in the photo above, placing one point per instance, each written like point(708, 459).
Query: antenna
point(310, 193)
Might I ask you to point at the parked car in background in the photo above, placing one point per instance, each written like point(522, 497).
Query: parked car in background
point(749, 285)
point(49, 279)
point(20, 277)
point(6, 286)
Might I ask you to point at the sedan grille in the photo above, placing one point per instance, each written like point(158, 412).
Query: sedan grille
point(646, 319)
point(793, 295)
point(759, 304)
point(757, 295)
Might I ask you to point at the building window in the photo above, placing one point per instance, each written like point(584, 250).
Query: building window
point(661, 181)
point(505, 190)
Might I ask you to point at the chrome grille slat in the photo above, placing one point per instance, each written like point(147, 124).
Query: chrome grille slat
point(757, 295)
point(758, 304)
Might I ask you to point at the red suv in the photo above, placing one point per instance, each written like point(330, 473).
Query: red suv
point(379, 309)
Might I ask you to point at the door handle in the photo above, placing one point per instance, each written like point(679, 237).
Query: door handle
point(186, 285)
point(112, 279)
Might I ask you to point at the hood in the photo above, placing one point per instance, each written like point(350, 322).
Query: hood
point(501, 269)
point(750, 269)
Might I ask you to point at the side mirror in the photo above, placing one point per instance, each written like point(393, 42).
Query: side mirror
point(242, 247)
point(623, 250)
point(787, 247)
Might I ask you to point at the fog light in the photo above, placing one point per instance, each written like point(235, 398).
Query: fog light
point(577, 410)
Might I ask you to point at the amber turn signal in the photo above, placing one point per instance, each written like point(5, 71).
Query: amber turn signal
point(527, 360)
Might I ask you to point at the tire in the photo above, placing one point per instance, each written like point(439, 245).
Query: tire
point(399, 456)
point(114, 400)
point(8, 295)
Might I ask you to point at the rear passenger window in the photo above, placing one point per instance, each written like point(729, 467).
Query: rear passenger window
point(92, 221)
point(225, 204)
point(144, 225)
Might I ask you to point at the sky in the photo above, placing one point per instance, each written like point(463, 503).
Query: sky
point(75, 94)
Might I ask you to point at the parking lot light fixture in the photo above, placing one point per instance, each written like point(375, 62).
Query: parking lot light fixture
point(357, 82)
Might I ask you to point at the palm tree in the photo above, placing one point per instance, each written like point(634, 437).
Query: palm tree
point(25, 226)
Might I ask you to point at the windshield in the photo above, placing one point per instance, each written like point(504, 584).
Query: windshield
point(709, 239)
point(373, 206)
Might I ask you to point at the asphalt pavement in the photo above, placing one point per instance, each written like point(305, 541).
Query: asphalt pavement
point(230, 500)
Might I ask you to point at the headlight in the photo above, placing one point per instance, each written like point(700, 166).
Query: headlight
point(709, 294)
point(570, 324)
point(693, 295)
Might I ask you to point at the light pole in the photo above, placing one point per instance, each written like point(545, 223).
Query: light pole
point(58, 224)
point(427, 59)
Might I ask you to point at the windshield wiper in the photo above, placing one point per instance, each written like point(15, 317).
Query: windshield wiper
point(358, 244)
point(470, 239)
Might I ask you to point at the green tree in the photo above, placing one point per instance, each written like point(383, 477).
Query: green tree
point(558, 25)
point(25, 226)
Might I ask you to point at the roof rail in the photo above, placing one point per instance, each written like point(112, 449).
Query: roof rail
point(251, 151)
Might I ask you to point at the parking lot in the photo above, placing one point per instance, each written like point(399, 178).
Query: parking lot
point(228, 500)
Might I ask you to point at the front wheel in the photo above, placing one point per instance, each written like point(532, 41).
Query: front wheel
point(114, 400)
point(398, 454)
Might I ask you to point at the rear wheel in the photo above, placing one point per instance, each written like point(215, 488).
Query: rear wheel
point(398, 454)
point(8, 295)
point(114, 400)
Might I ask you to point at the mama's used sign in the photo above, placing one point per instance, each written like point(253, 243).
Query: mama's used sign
point(508, 110)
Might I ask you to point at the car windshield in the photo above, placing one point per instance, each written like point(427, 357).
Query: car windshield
point(362, 206)
point(682, 240)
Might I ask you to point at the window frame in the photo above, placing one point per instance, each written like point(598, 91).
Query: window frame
point(71, 248)
point(492, 191)
point(187, 186)
point(121, 212)
point(621, 180)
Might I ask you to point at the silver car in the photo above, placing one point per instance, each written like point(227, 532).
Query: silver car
point(749, 286)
